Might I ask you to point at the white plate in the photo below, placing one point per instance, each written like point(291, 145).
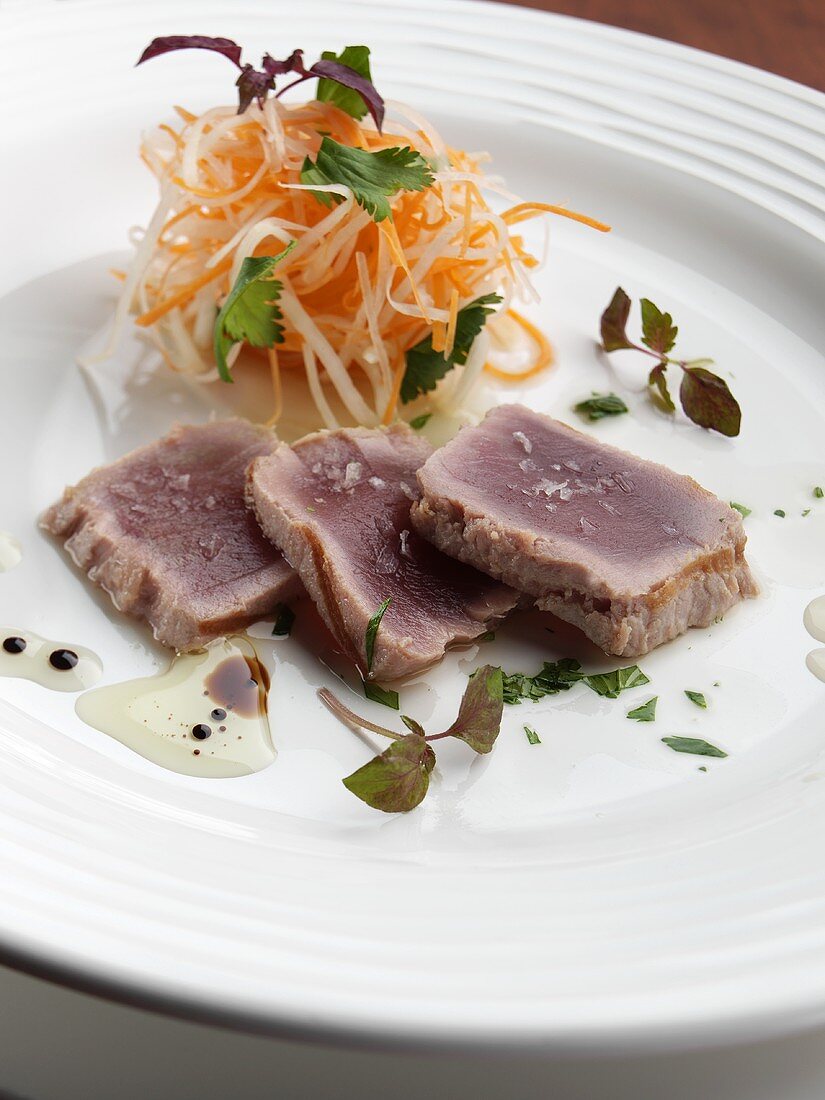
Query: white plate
point(595, 891)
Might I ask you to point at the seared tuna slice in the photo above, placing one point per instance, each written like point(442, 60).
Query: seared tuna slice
point(338, 505)
point(166, 533)
point(625, 549)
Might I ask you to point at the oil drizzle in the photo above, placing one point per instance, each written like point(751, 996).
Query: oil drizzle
point(60, 666)
point(11, 552)
point(172, 718)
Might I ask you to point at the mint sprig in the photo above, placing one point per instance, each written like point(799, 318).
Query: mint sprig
point(705, 397)
point(397, 779)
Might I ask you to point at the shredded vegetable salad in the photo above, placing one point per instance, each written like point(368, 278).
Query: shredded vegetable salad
point(355, 293)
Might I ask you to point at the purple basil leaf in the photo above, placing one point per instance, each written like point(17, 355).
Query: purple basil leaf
point(292, 64)
point(657, 379)
point(479, 716)
point(343, 74)
point(397, 780)
point(614, 322)
point(708, 402)
point(252, 84)
point(658, 330)
point(173, 42)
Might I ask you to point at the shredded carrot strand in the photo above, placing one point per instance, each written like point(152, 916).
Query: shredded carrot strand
point(524, 210)
point(544, 357)
point(184, 294)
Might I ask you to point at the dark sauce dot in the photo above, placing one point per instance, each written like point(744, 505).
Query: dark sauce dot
point(14, 645)
point(218, 714)
point(201, 732)
point(222, 729)
point(63, 659)
point(196, 752)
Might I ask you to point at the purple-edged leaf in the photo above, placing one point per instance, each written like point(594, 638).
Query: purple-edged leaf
point(479, 716)
point(708, 402)
point(345, 80)
point(398, 779)
point(252, 84)
point(658, 329)
point(292, 64)
point(614, 322)
point(173, 42)
point(657, 379)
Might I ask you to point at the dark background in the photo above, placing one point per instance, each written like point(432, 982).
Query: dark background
point(782, 36)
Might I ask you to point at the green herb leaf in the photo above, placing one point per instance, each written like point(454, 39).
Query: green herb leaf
point(426, 367)
point(819, 492)
point(741, 509)
point(398, 779)
point(614, 322)
point(601, 405)
point(806, 512)
point(251, 311)
point(532, 736)
point(694, 745)
point(356, 58)
point(611, 684)
point(657, 380)
point(554, 676)
point(646, 712)
point(479, 715)
point(779, 512)
point(487, 636)
point(698, 698)
point(418, 422)
point(372, 177)
point(372, 631)
point(708, 402)
point(284, 618)
point(386, 696)
point(658, 330)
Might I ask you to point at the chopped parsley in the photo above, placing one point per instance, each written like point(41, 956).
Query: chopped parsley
point(418, 422)
point(611, 684)
point(599, 406)
point(284, 618)
point(741, 509)
point(646, 712)
point(554, 676)
point(372, 177)
point(532, 736)
point(372, 631)
point(779, 512)
point(819, 492)
point(694, 745)
point(698, 698)
point(386, 696)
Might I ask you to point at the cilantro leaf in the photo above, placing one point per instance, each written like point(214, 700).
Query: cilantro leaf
point(743, 511)
point(532, 736)
point(657, 380)
point(251, 311)
point(646, 712)
point(694, 745)
point(611, 684)
point(372, 631)
point(398, 779)
point(386, 696)
point(698, 698)
point(708, 402)
point(284, 618)
point(426, 367)
point(614, 322)
point(601, 405)
point(479, 715)
point(658, 330)
point(372, 177)
point(348, 91)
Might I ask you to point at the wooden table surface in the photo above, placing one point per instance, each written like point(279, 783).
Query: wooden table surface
point(782, 36)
